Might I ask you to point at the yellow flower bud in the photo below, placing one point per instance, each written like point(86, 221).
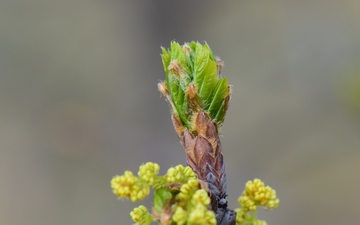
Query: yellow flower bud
point(201, 196)
point(121, 184)
point(130, 186)
point(197, 215)
point(247, 203)
point(201, 215)
point(179, 174)
point(149, 171)
point(188, 189)
point(256, 193)
point(141, 215)
point(210, 217)
point(180, 216)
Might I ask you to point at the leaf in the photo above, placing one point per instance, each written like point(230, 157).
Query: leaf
point(175, 49)
point(211, 55)
point(209, 83)
point(190, 54)
point(165, 57)
point(193, 45)
point(178, 97)
point(178, 54)
point(205, 72)
point(160, 197)
point(201, 61)
point(220, 92)
point(220, 116)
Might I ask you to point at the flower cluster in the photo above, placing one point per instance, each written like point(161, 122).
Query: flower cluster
point(180, 198)
point(148, 172)
point(179, 174)
point(192, 205)
point(130, 186)
point(255, 194)
point(141, 215)
point(178, 195)
point(136, 188)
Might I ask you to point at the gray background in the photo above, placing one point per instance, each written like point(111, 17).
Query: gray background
point(79, 103)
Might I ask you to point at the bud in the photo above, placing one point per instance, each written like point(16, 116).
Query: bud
point(198, 99)
point(193, 83)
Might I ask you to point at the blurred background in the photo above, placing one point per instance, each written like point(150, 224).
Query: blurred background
point(79, 104)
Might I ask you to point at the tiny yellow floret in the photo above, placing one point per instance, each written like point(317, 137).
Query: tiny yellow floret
point(247, 203)
point(256, 193)
point(201, 196)
point(141, 215)
point(130, 186)
point(201, 215)
point(192, 205)
point(149, 171)
point(187, 190)
point(179, 174)
point(180, 216)
point(121, 184)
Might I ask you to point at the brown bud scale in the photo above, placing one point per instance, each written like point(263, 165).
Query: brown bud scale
point(204, 155)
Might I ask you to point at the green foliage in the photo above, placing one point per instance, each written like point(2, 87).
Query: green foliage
point(160, 198)
point(193, 82)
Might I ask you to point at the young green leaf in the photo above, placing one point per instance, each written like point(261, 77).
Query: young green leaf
point(220, 92)
point(160, 198)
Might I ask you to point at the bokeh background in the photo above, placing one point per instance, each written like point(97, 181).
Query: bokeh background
point(79, 103)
